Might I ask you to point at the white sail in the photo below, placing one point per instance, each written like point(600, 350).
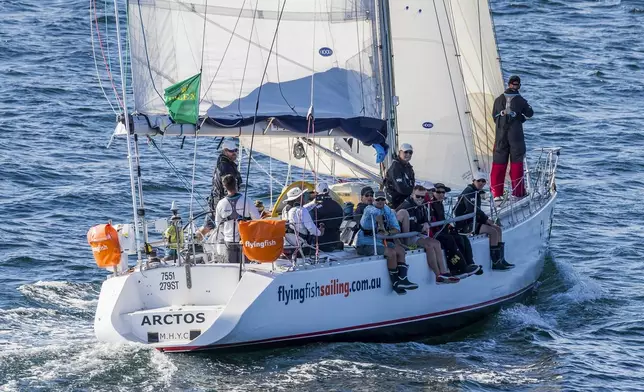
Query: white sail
point(481, 66)
point(318, 160)
point(432, 110)
point(314, 36)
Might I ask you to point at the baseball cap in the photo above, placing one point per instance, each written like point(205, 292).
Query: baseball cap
point(322, 187)
point(406, 147)
point(480, 176)
point(366, 190)
point(229, 145)
point(379, 195)
point(514, 79)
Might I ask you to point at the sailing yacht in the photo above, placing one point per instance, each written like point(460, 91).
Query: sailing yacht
point(331, 87)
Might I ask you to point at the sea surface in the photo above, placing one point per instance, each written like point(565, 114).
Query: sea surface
point(582, 67)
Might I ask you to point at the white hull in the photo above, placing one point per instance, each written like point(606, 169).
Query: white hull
point(156, 307)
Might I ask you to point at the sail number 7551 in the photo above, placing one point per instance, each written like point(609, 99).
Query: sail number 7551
point(168, 281)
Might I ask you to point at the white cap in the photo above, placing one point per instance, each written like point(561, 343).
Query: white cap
point(427, 184)
point(406, 147)
point(322, 187)
point(294, 194)
point(229, 145)
point(480, 176)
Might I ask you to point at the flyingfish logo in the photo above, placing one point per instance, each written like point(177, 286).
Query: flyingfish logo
point(335, 287)
point(262, 244)
point(99, 248)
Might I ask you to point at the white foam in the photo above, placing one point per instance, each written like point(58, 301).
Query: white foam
point(525, 316)
point(63, 294)
point(582, 288)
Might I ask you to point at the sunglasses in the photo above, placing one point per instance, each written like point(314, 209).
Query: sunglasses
point(408, 152)
point(420, 196)
point(235, 150)
point(515, 84)
point(483, 181)
point(439, 191)
point(368, 195)
point(381, 199)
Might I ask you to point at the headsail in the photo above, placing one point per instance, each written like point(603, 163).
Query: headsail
point(481, 67)
point(436, 90)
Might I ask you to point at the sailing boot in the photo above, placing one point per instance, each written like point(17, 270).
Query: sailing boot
point(503, 260)
point(495, 255)
point(402, 278)
point(395, 282)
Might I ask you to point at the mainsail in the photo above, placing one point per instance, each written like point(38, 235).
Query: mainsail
point(303, 54)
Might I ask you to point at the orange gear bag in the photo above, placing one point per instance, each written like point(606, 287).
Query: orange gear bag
point(262, 240)
point(104, 241)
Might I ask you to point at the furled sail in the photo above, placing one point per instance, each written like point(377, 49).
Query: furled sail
point(322, 57)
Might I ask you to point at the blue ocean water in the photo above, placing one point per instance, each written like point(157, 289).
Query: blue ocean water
point(581, 67)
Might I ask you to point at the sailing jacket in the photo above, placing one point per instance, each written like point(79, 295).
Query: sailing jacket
point(328, 211)
point(417, 214)
point(368, 220)
point(509, 125)
point(465, 205)
point(223, 167)
point(399, 181)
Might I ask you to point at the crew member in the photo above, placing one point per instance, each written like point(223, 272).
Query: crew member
point(300, 228)
point(510, 111)
point(400, 179)
point(325, 210)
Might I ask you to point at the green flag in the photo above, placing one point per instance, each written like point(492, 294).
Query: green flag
point(182, 100)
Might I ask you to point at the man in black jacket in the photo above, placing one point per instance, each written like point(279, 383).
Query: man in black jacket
point(455, 244)
point(327, 213)
point(470, 201)
point(226, 164)
point(400, 179)
point(413, 215)
point(510, 111)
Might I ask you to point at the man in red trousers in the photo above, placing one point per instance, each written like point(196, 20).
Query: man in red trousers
point(510, 111)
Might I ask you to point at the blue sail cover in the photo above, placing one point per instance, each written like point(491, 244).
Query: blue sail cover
point(334, 103)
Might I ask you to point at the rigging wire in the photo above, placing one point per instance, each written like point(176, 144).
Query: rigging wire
point(223, 56)
point(98, 75)
point(259, 93)
point(241, 87)
point(100, 43)
point(147, 55)
point(487, 137)
point(451, 80)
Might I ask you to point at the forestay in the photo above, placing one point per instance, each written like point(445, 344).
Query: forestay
point(324, 45)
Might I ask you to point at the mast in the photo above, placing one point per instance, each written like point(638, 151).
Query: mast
point(388, 79)
point(141, 210)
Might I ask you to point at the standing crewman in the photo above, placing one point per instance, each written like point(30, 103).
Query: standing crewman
point(226, 164)
point(510, 111)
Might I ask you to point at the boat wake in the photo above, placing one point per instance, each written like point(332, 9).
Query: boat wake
point(51, 345)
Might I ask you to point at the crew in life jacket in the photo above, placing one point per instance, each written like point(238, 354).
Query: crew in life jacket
point(400, 179)
point(300, 229)
point(232, 208)
point(353, 226)
point(510, 111)
point(413, 215)
point(456, 246)
point(324, 209)
point(379, 218)
point(470, 197)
